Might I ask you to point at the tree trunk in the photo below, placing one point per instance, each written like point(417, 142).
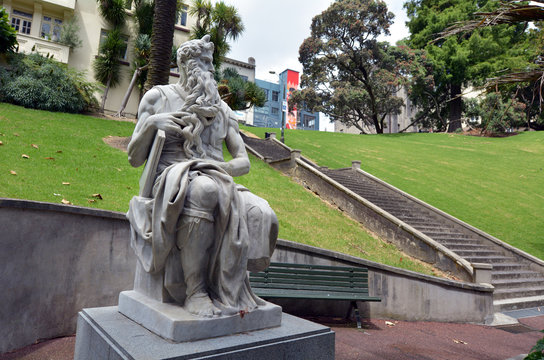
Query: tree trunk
point(456, 108)
point(162, 39)
point(105, 95)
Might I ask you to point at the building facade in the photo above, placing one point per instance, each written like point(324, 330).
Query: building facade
point(277, 95)
point(247, 71)
point(38, 25)
point(392, 124)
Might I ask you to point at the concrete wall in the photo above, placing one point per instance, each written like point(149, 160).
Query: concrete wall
point(57, 260)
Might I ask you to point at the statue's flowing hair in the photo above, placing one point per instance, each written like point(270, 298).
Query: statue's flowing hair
point(202, 102)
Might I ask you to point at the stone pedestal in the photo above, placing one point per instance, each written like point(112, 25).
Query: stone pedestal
point(172, 322)
point(105, 333)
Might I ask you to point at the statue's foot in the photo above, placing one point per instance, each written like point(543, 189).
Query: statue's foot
point(200, 304)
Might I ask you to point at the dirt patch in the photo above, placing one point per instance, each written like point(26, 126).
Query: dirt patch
point(485, 133)
point(118, 142)
point(248, 134)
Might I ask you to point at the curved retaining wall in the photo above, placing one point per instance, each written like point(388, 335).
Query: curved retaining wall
point(57, 260)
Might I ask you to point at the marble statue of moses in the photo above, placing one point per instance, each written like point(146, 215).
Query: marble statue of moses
point(199, 228)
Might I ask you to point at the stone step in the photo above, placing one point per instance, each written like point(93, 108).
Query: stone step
point(465, 246)
point(501, 294)
point(448, 236)
point(478, 252)
point(509, 274)
point(490, 259)
point(518, 283)
point(510, 267)
point(434, 229)
point(518, 303)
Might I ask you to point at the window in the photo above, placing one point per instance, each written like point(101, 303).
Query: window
point(181, 16)
point(275, 95)
point(21, 21)
point(265, 93)
point(275, 111)
point(124, 52)
point(309, 121)
point(51, 28)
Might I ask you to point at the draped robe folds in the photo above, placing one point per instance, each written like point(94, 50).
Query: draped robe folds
point(243, 222)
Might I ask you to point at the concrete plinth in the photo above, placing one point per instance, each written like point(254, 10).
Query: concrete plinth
point(104, 333)
point(174, 323)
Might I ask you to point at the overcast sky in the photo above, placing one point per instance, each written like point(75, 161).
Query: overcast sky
point(274, 30)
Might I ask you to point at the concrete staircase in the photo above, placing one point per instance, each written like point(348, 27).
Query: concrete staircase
point(516, 284)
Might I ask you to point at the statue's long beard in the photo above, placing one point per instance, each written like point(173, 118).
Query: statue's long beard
point(201, 106)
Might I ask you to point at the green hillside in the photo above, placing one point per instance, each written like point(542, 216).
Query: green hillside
point(67, 159)
point(495, 184)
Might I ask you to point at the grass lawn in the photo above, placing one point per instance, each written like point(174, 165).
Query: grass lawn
point(69, 149)
point(495, 184)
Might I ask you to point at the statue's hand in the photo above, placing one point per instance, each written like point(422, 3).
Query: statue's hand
point(170, 123)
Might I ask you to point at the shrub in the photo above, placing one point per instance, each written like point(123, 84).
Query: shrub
point(38, 82)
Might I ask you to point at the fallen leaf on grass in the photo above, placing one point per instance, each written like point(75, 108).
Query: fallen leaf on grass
point(460, 342)
point(90, 201)
point(66, 202)
point(16, 134)
point(57, 194)
point(13, 172)
point(389, 323)
point(49, 158)
point(1, 143)
point(34, 146)
point(117, 169)
point(59, 151)
point(25, 156)
point(65, 183)
point(98, 196)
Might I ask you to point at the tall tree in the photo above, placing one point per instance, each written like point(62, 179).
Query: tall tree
point(460, 61)
point(162, 39)
point(106, 67)
point(221, 21)
point(8, 35)
point(348, 74)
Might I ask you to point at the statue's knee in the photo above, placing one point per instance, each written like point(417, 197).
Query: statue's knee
point(202, 193)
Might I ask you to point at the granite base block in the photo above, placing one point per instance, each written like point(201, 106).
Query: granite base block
point(104, 333)
point(172, 322)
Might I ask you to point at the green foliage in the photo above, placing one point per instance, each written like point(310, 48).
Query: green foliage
point(348, 74)
point(38, 82)
point(8, 35)
point(537, 352)
point(461, 60)
point(221, 21)
point(69, 33)
point(113, 11)
point(107, 69)
point(238, 93)
point(496, 114)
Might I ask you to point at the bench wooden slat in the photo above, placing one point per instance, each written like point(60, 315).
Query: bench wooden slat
point(309, 294)
point(323, 267)
point(315, 272)
point(349, 286)
point(311, 287)
point(324, 276)
point(296, 278)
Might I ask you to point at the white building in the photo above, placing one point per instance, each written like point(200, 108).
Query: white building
point(38, 26)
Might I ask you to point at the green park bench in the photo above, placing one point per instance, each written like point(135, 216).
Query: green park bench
point(298, 281)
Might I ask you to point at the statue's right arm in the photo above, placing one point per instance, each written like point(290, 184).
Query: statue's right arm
point(143, 134)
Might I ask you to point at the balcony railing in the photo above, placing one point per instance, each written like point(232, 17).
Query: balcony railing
point(28, 43)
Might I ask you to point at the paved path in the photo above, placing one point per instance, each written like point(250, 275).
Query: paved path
point(398, 340)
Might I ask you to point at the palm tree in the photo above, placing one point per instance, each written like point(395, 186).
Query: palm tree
point(221, 21)
point(106, 67)
point(162, 39)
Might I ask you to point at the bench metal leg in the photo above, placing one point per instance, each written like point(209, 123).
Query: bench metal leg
point(357, 316)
